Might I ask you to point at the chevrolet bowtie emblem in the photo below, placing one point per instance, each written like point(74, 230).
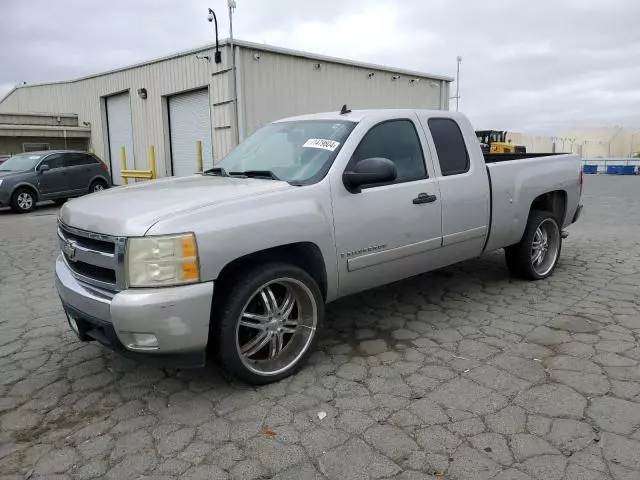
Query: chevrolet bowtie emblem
point(69, 249)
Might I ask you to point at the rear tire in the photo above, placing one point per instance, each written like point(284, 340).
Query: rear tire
point(266, 322)
point(98, 186)
point(23, 200)
point(537, 254)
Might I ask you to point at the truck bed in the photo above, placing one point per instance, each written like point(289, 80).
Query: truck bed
point(504, 157)
point(515, 184)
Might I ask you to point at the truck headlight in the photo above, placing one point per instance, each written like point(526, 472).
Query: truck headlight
point(162, 261)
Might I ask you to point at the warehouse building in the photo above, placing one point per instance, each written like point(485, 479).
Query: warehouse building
point(172, 103)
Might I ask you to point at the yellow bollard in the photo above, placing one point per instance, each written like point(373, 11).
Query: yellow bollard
point(199, 155)
point(152, 161)
point(123, 161)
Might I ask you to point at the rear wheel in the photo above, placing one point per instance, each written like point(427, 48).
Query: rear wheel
point(266, 325)
point(537, 254)
point(98, 186)
point(23, 200)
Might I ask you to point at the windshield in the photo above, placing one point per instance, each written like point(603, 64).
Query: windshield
point(20, 163)
point(298, 152)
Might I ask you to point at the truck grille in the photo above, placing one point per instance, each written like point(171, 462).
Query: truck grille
point(93, 258)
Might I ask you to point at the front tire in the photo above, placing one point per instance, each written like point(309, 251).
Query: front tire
point(537, 254)
point(23, 200)
point(267, 322)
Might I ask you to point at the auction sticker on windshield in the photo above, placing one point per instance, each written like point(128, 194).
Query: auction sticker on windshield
point(330, 145)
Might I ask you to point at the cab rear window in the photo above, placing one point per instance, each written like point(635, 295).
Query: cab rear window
point(450, 146)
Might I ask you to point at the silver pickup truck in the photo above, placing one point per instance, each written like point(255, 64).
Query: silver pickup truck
point(239, 262)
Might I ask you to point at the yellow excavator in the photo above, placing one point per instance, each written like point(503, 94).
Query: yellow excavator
point(495, 141)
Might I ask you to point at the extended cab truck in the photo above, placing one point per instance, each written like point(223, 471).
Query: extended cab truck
point(240, 261)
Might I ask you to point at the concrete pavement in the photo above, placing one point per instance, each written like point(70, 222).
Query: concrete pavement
point(463, 372)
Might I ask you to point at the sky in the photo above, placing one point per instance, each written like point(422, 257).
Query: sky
point(535, 66)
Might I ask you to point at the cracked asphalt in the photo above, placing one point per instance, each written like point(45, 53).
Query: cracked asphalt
point(459, 374)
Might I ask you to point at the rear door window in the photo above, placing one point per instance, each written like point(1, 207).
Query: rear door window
point(54, 161)
point(450, 146)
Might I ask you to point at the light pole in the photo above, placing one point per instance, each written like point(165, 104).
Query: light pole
point(457, 95)
point(458, 62)
point(217, 57)
point(232, 6)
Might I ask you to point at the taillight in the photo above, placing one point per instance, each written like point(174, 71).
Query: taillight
point(581, 180)
point(104, 166)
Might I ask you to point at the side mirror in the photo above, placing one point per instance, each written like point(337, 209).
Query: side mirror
point(369, 172)
point(43, 168)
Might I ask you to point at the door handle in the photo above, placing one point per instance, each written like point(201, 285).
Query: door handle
point(424, 198)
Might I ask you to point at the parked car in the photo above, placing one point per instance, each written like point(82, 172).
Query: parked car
point(240, 261)
point(28, 178)
point(3, 158)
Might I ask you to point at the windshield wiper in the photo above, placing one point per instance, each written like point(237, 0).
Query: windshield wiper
point(256, 174)
point(219, 171)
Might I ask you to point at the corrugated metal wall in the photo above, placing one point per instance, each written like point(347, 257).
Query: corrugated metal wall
point(277, 86)
point(274, 86)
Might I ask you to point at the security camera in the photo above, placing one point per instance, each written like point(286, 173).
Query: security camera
point(415, 80)
point(256, 56)
point(371, 74)
point(395, 77)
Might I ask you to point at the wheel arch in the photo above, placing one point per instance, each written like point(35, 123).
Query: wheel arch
point(305, 255)
point(554, 202)
point(98, 178)
point(28, 186)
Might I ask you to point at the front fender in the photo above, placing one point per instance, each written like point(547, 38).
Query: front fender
point(29, 185)
point(235, 229)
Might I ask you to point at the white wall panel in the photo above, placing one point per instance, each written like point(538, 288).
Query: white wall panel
point(278, 85)
point(120, 133)
point(189, 123)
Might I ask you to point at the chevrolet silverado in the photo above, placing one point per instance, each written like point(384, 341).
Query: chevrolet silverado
point(240, 261)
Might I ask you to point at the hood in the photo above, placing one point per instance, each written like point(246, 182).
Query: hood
point(5, 174)
point(132, 210)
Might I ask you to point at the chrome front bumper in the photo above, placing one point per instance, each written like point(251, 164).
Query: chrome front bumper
point(178, 317)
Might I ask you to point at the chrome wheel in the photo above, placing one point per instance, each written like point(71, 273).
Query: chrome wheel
point(25, 201)
point(545, 247)
point(276, 326)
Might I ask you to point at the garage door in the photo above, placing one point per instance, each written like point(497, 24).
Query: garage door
point(120, 133)
point(189, 122)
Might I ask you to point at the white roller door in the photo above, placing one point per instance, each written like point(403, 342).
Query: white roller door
point(120, 133)
point(189, 122)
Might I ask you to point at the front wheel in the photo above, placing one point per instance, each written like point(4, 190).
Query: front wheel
point(537, 254)
point(23, 200)
point(267, 322)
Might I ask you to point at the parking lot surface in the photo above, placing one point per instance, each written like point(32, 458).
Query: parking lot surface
point(459, 374)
